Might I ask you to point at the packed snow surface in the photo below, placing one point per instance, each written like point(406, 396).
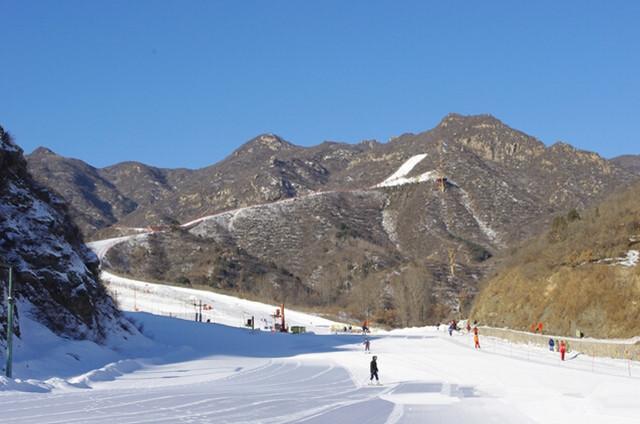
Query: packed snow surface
point(183, 303)
point(186, 371)
point(181, 371)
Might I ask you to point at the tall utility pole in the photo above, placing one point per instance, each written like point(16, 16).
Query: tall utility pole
point(8, 367)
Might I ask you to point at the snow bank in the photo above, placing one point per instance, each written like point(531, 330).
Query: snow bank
point(107, 373)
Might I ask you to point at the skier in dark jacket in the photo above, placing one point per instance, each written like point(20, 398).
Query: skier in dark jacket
point(373, 367)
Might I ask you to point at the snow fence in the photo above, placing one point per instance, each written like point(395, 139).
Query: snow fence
point(617, 349)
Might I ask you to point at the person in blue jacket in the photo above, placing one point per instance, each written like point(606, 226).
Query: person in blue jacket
point(551, 344)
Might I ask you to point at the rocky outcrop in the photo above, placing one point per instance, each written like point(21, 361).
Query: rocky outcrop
point(56, 275)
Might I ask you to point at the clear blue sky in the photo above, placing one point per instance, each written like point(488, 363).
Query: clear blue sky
point(183, 83)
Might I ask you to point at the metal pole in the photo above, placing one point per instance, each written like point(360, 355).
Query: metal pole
point(8, 367)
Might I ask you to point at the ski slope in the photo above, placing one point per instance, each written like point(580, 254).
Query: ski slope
point(181, 371)
point(180, 302)
point(210, 373)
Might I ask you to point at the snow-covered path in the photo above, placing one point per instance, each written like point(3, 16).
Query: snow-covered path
point(217, 374)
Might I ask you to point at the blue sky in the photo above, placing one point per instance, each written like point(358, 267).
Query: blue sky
point(184, 83)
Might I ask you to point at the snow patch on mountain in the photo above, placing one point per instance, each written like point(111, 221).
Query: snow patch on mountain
point(399, 177)
point(484, 227)
point(631, 259)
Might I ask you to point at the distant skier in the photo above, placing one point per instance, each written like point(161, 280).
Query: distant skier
point(475, 330)
point(476, 341)
point(468, 327)
point(563, 349)
point(366, 344)
point(451, 329)
point(373, 367)
point(551, 344)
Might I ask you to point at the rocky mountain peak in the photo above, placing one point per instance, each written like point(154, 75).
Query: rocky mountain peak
point(489, 137)
point(264, 143)
point(6, 142)
point(42, 152)
point(473, 121)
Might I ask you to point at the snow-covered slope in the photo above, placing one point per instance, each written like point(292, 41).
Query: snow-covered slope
point(208, 373)
point(188, 371)
point(180, 302)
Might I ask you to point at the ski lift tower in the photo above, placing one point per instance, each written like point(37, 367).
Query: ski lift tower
point(282, 327)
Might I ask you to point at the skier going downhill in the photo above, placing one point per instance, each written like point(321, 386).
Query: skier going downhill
point(373, 367)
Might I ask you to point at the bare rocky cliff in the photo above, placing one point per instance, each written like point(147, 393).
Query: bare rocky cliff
point(55, 274)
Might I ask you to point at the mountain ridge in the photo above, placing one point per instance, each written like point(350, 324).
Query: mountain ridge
point(463, 191)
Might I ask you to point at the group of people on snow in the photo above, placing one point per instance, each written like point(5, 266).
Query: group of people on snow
point(560, 346)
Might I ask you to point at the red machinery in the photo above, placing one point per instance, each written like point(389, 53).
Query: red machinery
point(280, 314)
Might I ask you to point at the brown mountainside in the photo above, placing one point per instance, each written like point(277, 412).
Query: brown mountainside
point(321, 214)
point(629, 162)
point(582, 275)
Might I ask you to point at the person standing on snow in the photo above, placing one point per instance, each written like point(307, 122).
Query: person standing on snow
point(551, 344)
point(373, 367)
point(563, 349)
point(366, 344)
point(476, 339)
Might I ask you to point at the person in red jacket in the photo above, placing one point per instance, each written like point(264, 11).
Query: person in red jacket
point(563, 349)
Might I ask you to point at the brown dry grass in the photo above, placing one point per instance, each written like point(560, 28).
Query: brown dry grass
point(557, 278)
